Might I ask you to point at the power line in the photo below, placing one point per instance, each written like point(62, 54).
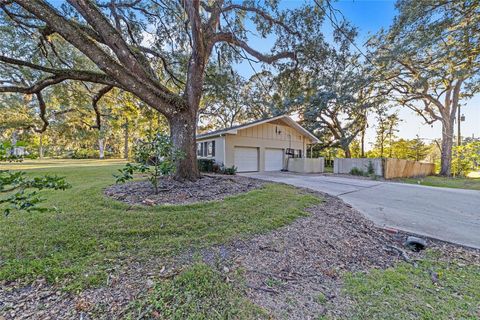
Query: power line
point(337, 27)
point(244, 56)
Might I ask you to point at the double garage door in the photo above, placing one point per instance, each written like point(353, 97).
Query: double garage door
point(247, 159)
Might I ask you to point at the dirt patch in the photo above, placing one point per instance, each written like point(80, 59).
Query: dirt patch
point(207, 188)
point(294, 272)
point(40, 300)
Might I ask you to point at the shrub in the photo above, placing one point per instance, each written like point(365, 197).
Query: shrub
point(32, 155)
point(15, 184)
point(156, 157)
point(370, 168)
point(217, 168)
point(206, 165)
point(5, 153)
point(466, 158)
point(357, 172)
point(228, 170)
point(85, 154)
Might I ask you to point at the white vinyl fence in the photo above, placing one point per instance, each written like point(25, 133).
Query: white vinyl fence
point(306, 165)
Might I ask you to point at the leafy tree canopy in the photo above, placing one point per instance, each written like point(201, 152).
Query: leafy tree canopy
point(429, 61)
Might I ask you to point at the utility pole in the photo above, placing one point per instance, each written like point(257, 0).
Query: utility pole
point(460, 118)
point(459, 135)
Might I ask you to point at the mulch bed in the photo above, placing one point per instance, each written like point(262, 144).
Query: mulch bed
point(285, 270)
point(209, 187)
point(289, 268)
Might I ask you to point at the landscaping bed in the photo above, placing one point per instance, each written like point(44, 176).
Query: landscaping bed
point(298, 271)
point(209, 187)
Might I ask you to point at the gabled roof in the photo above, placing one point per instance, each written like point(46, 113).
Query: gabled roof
point(234, 129)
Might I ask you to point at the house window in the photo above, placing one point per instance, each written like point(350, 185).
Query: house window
point(206, 149)
point(298, 153)
point(211, 149)
point(199, 149)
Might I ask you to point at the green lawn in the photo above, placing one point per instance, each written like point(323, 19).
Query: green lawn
point(199, 292)
point(438, 181)
point(436, 289)
point(87, 234)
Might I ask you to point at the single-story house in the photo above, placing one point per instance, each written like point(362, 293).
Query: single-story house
point(262, 145)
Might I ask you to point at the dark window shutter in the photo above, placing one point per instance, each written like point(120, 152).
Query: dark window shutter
point(213, 148)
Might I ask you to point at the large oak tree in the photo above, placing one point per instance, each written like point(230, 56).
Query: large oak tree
point(155, 49)
point(335, 92)
point(429, 61)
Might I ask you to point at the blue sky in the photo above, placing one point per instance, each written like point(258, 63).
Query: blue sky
point(369, 16)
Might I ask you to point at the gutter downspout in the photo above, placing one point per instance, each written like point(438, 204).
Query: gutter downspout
point(224, 151)
point(290, 147)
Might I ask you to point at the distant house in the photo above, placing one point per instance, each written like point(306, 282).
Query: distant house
point(18, 151)
point(262, 145)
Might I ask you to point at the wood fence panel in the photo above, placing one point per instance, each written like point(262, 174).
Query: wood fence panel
point(399, 168)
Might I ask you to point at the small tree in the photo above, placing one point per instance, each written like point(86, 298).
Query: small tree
point(466, 158)
point(155, 157)
point(386, 127)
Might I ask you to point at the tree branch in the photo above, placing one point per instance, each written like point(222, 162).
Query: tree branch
point(153, 93)
point(59, 77)
point(110, 36)
point(262, 14)
point(230, 38)
point(43, 112)
point(96, 98)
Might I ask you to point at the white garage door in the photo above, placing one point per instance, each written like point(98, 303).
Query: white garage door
point(246, 159)
point(273, 159)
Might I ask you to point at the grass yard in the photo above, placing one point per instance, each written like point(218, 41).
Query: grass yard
point(472, 182)
point(89, 235)
point(436, 289)
point(197, 293)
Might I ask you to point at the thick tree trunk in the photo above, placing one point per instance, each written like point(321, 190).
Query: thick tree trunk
point(348, 153)
point(182, 132)
point(101, 148)
point(446, 152)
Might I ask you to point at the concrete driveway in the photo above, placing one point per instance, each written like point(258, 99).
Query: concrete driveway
point(448, 214)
